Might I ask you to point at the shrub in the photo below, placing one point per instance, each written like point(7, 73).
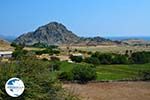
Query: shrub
point(92, 60)
point(53, 58)
point(17, 54)
point(145, 75)
point(65, 76)
point(120, 59)
point(140, 57)
point(47, 51)
point(83, 74)
point(77, 59)
point(36, 77)
point(110, 58)
point(105, 58)
point(54, 67)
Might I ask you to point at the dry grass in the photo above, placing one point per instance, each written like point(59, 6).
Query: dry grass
point(5, 46)
point(111, 91)
point(108, 49)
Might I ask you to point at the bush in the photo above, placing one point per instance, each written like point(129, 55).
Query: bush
point(120, 59)
point(53, 58)
point(65, 76)
point(40, 45)
point(83, 74)
point(54, 67)
point(47, 51)
point(145, 75)
point(140, 57)
point(77, 59)
point(36, 77)
point(109, 58)
point(105, 58)
point(17, 54)
point(92, 60)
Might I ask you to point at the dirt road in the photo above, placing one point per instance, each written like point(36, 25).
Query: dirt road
point(111, 91)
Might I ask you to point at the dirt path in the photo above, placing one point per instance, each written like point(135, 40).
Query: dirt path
point(111, 91)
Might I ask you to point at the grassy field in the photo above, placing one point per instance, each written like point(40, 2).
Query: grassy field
point(110, 72)
point(120, 72)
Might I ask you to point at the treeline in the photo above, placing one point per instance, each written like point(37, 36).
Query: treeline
point(111, 58)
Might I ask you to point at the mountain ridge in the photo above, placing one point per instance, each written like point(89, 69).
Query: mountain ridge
point(55, 33)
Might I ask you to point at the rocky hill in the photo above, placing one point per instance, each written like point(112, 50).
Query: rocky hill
point(4, 45)
point(57, 34)
point(136, 42)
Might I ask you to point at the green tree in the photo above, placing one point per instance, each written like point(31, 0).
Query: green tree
point(38, 82)
point(65, 76)
point(120, 59)
point(92, 60)
point(77, 59)
point(140, 57)
point(84, 73)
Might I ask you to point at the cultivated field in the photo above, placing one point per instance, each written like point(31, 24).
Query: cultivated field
point(111, 91)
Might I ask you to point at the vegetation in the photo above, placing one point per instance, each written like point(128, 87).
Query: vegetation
point(108, 58)
point(111, 58)
point(40, 45)
point(79, 73)
point(37, 79)
point(83, 74)
point(92, 60)
point(140, 57)
point(110, 72)
point(77, 59)
point(47, 51)
point(19, 52)
point(145, 75)
point(41, 77)
point(65, 76)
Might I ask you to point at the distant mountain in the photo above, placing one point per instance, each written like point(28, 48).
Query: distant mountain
point(136, 42)
point(8, 38)
point(57, 34)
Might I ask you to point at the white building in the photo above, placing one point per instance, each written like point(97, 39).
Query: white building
point(6, 54)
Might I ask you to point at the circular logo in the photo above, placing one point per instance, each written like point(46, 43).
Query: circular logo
point(14, 87)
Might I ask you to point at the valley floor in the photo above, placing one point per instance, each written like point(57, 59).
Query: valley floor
point(111, 91)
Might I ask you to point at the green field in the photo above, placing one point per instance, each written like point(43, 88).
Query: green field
point(110, 72)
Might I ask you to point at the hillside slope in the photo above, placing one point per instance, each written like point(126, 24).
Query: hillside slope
point(4, 45)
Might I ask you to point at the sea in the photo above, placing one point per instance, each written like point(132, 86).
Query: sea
point(126, 38)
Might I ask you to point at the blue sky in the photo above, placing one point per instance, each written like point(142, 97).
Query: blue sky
point(83, 17)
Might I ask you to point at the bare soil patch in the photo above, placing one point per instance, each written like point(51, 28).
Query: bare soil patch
point(111, 91)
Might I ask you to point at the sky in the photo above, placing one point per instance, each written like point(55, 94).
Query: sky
point(83, 17)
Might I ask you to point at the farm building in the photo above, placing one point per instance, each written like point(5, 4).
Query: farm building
point(6, 54)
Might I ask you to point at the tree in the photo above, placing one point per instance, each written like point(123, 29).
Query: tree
point(36, 77)
point(19, 52)
point(92, 60)
point(54, 66)
point(65, 76)
point(77, 59)
point(120, 59)
point(104, 58)
point(83, 74)
point(140, 57)
point(145, 75)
